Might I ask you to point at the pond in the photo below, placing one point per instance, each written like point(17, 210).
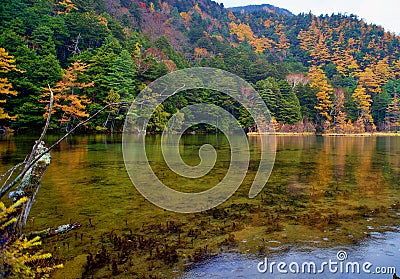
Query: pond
point(324, 193)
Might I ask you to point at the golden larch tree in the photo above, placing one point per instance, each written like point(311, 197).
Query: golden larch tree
point(340, 116)
point(370, 81)
point(67, 6)
point(7, 64)
point(320, 52)
point(244, 32)
point(363, 101)
point(319, 81)
point(66, 98)
point(383, 71)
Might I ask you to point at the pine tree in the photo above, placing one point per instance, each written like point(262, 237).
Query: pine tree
point(393, 114)
point(122, 77)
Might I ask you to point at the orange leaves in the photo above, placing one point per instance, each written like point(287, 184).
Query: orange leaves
point(320, 51)
point(66, 98)
point(261, 44)
point(231, 16)
point(200, 53)
point(197, 8)
point(345, 62)
point(309, 38)
point(186, 17)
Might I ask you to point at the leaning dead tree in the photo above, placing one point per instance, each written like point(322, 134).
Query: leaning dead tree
point(24, 179)
point(22, 183)
point(29, 180)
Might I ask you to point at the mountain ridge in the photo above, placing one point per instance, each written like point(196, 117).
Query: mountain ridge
point(263, 7)
point(286, 57)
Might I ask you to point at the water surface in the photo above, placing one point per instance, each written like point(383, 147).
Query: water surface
point(323, 193)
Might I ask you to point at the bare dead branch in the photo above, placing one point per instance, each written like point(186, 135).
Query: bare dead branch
point(46, 126)
point(37, 158)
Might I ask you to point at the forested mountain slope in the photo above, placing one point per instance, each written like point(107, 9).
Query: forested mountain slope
point(317, 73)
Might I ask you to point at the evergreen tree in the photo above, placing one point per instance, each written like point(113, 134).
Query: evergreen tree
point(122, 77)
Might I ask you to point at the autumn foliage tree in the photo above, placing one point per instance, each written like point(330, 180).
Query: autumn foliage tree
point(363, 101)
point(245, 33)
point(68, 101)
point(319, 81)
point(393, 114)
point(7, 64)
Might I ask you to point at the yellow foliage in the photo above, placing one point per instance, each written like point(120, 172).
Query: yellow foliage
point(67, 5)
point(363, 101)
point(7, 64)
point(319, 81)
point(396, 69)
point(137, 51)
point(231, 16)
point(320, 52)
point(186, 17)
point(309, 38)
point(197, 9)
point(5, 212)
point(20, 257)
point(370, 80)
point(244, 32)
point(383, 71)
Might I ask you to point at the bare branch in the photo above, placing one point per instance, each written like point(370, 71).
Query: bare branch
point(31, 161)
point(37, 158)
point(46, 126)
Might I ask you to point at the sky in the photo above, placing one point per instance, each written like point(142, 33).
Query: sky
point(380, 12)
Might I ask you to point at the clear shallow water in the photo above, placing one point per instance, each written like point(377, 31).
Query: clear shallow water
point(323, 193)
point(381, 250)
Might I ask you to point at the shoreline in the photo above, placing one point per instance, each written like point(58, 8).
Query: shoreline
point(376, 134)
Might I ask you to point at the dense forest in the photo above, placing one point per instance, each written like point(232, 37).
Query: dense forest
point(328, 73)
